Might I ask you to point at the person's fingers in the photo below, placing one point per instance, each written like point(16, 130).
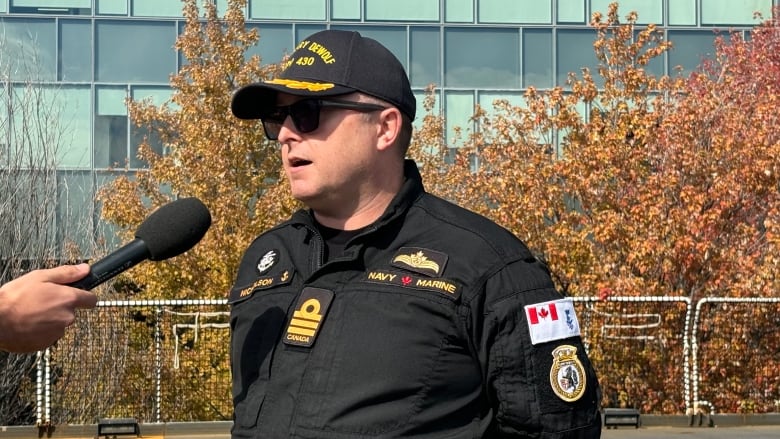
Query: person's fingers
point(65, 273)
point(84, 299)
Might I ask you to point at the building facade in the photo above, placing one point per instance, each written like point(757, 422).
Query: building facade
point(98, 52)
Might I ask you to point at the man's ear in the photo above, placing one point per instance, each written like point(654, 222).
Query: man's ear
point(389, 127)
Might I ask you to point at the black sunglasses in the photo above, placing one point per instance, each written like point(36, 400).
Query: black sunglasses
point(305, 114)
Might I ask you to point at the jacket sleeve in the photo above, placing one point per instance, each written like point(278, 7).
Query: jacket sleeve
point(528, 383)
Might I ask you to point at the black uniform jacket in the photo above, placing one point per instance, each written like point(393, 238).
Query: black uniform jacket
point(417, 330)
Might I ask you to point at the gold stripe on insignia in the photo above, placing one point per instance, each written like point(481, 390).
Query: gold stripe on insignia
point(300, 331)
point(301, 85)
point(305, 323)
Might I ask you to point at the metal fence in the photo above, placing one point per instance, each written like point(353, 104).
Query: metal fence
point(167, 360)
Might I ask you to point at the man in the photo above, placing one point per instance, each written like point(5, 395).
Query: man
point(36, 308)
point(381, 310)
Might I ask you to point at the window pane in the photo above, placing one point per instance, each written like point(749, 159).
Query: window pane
point(287, 10)
point(421, 111)
point(575, 51)
point(76, 118)
point(690, 47)
point(571, 11)
point(656, 65)
point(108, 232)
point(517, 11)
point(63, 7)
point(139, 135)
point(28, 48)
point(538, 58)
point(487, 100)
point(345, 9)
point(52, 3)
point(276, 40)
point(459, 107)
point(302, 31)
point(75, 50)
point(110, 141)
point(415, 10)
point(731, 12)
point(394, 38)
point(156, 8)
point(55, 120)
point(467, 63)
point(648, 11)
point(111, 7)
point(158, 96)
point(110, 127)
point(682, 12)
point(30, 123)
point(459, 11)
point(135, 52)
point(76, 211)
point(424, 60)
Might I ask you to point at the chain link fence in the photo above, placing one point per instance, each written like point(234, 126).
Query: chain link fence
point(168, 360)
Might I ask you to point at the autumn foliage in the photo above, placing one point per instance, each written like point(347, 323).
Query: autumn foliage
point(665, 186)
point(228, 164)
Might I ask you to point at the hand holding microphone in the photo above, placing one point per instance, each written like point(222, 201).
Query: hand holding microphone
point(169, 231)
point(36, 308)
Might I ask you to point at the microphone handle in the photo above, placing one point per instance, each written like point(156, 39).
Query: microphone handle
point(118, 261)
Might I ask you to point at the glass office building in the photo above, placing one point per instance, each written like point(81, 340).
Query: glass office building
point(97, 52)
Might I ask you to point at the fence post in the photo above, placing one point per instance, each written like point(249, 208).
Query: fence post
point(39, 388)
point(687, 335)
point(158, 363)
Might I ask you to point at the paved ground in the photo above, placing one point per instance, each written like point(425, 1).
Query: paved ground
point(743, 432)
point(220, 430)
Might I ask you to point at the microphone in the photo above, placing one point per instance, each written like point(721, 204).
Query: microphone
point(169, 231)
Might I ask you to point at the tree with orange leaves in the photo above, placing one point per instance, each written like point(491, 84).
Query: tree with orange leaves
point(226, 163)
point(667, 186)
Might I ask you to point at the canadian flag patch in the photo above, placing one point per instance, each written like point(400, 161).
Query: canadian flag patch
point(553, 320)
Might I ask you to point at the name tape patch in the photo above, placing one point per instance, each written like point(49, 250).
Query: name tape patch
point(407, 280)
point(554, 320)
point(262, 283)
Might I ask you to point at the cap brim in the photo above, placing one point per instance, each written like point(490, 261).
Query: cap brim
point(253, 100)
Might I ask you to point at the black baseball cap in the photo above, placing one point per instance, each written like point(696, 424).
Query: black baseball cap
point(331, 63)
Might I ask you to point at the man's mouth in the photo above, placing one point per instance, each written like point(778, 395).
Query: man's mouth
point(294, 163)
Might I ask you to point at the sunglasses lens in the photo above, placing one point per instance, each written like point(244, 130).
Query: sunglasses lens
point(306, 115)
point(272, 122)
point(271, 129)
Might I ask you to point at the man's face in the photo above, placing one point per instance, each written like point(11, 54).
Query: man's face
point(328, 168)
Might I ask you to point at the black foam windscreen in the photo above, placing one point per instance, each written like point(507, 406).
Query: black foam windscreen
point(174, 228)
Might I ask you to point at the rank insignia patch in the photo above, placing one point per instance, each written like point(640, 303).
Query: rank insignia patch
point(306, 321)
point(567, 376)
point(268, 260)
point(420, 260)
